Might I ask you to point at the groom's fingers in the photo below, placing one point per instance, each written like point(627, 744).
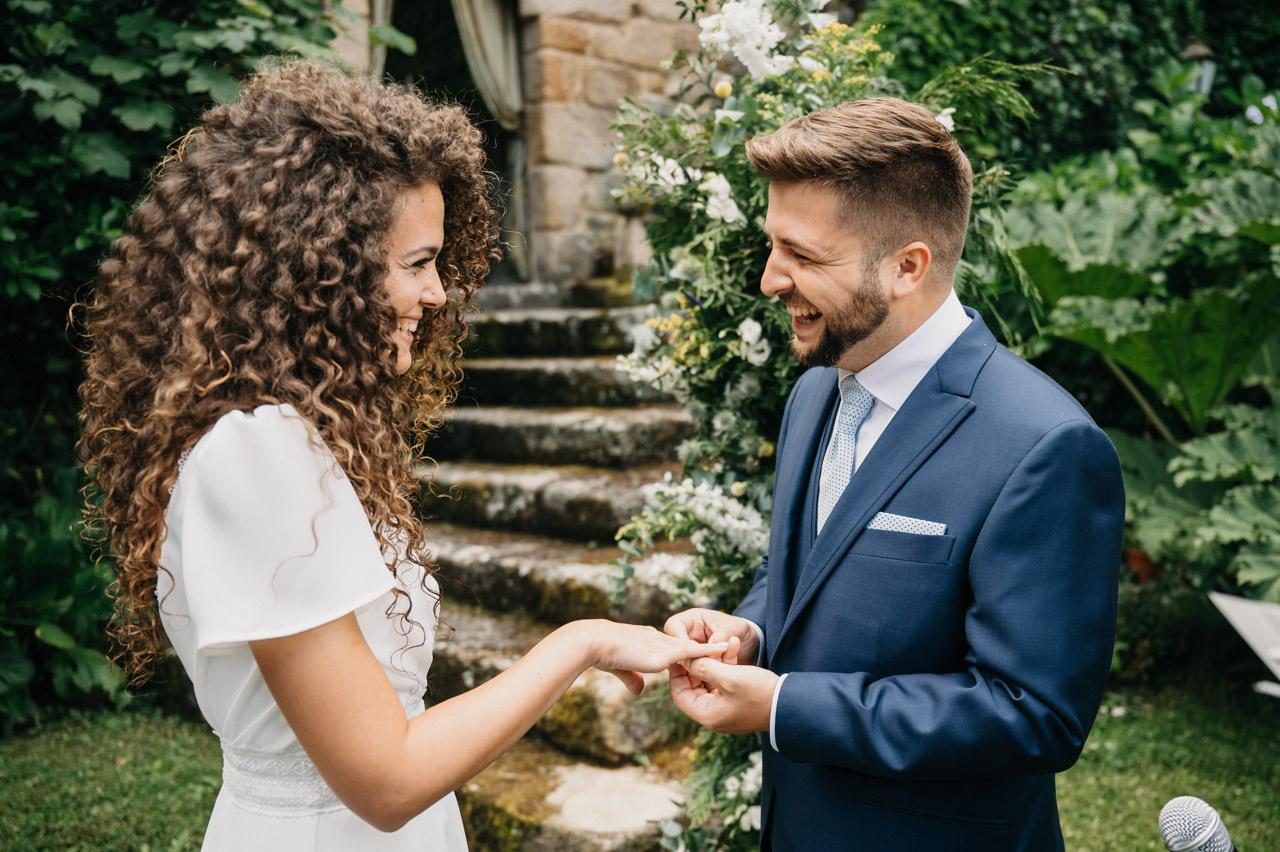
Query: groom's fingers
point(713, 672)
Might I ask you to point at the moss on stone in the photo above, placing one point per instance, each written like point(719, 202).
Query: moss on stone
point(573, 724)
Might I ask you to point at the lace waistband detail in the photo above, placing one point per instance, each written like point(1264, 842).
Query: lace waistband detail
point(281, 783)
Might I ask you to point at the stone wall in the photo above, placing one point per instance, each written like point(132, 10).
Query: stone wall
point(580, 58)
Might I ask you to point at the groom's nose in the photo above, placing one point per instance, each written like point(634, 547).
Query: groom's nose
point(775, 281)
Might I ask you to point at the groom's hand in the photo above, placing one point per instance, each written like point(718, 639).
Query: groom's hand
point(724, 698)
point(709, 625)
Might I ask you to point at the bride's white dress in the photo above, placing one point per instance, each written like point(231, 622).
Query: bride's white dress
point(266, 537)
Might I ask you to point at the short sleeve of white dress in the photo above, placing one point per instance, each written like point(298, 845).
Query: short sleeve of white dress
point(274, 540)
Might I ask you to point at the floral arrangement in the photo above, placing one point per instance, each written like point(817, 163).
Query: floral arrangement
point(716, 345)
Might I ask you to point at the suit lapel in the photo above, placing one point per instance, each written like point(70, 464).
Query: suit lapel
point(804, 434)
point(931, 413)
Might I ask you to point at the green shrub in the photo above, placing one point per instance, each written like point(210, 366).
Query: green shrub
point(1110, 50)
point(1163, 258)
point(92, 94)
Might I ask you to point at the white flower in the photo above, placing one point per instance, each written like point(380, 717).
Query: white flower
point(757, 354)
point(1270, 103)
point(810, 64)
point(945, 119)
point(723, 421)
point(749, 330)
point(746, 29)
point(729, 115)
point(1253, 114)
point(738, 488)
point(753, 775)
point(685, 268)
point(737, 526)
point(720, 203)
point(668, 174)
point(665, 570)
point(751, 819)
point(643, 340)
point(818, 20)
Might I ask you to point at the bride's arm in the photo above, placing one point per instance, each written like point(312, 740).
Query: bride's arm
point(387, 769)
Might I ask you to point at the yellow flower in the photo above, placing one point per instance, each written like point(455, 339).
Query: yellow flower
point(737, 489)
point(723, 89)
point(704, 351)
point(821, 75)
point(621, 158)
point(766, 449)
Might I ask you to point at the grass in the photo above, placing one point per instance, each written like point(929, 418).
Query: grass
point(1223, 747)
point(109, 781)
point(147, 781)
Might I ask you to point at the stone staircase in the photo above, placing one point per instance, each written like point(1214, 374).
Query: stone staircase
point(540, 461)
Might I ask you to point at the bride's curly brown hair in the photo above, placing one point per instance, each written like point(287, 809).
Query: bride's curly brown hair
point(253, 273)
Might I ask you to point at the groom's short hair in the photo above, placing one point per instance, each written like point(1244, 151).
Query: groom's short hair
point(901, 175)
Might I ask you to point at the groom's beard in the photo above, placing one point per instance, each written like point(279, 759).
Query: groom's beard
point(853, 322)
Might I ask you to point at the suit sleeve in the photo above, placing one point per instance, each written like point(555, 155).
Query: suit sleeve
point(1039, 629)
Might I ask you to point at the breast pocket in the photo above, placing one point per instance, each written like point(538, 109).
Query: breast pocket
point(908, 547)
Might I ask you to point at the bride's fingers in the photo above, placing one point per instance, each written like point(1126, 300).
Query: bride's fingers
point(730, 656)
point(631, 680)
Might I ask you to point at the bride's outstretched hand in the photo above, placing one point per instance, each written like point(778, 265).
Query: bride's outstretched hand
point(625, 650)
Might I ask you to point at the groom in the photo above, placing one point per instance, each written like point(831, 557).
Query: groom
point(932, 626)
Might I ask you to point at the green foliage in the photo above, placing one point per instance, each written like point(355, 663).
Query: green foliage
point(93, 94)
point(717, 345)
point(1107, 50)
point(1160, 256)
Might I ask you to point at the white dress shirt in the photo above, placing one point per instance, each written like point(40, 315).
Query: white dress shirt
point(890, 379)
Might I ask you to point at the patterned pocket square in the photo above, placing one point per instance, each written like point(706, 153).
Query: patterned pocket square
point(903, 524)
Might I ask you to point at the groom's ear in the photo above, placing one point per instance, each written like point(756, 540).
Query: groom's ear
point(909, 269)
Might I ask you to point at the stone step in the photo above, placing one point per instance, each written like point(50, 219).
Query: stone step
point(535, 799)
point(535, 294)
point(550, 579)
point(598, 437)
point(596, 718)
point(581, 503)
point(552, 381)
point(555, 332)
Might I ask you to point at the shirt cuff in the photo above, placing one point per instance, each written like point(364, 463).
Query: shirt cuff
point(759, 640)
point(773, 714)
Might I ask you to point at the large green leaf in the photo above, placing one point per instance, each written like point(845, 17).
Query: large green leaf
point(1192, 352)
point(1133, 231)
point(393, 38)
point(218, 83)
point(1055, 279)
point(1250, 516)
point(143, 115)
point(51, 634)
point(1164, 518)
point(15, 669)
point(118, 68)
point(101, 152)
point(1245, 203)
point(1248, 453)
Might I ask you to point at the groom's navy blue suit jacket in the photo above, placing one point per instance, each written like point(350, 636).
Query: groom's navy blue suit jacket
point(937, 682)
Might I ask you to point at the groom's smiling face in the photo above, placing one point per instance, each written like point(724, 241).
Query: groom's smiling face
point(817, 267)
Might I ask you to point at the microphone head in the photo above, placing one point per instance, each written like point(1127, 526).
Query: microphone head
point(1188, 824)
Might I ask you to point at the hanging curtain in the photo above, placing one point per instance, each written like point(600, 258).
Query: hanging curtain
point(491, 41)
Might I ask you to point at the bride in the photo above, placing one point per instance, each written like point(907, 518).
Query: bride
point(269, 344)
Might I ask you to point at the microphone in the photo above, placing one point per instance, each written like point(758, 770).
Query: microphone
point(1188, 824)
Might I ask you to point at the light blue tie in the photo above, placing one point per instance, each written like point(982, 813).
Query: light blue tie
point(838, 463)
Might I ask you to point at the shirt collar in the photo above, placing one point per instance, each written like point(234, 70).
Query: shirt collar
point(894, 375)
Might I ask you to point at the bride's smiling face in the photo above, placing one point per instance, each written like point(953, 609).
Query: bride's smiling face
point(413, 282)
